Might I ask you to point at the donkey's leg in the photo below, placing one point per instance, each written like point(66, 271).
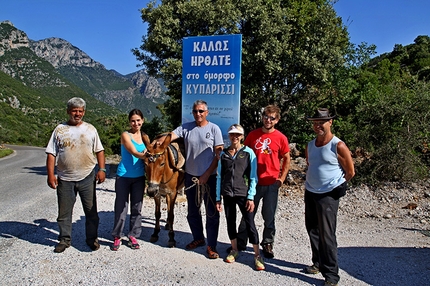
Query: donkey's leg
point(167, 225)
point(154, 236)
point(171, 198)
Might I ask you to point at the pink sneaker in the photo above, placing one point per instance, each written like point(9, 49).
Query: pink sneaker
point(116, 244)
point(133, 243)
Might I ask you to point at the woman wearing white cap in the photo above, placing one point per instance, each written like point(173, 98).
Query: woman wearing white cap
point(236, 182)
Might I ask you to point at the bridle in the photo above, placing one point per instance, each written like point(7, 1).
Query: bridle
point(152, 158)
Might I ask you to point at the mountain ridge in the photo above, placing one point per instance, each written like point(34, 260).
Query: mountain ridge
point(123, 92)
point(37, 78)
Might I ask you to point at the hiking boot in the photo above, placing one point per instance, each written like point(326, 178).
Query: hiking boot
point(231, 257)
point(116, 244)
point(313, 269)
point(195, 243)
point(133, 243)
point(239, 248)
point(328, 283)
point(268, 250)
point(61, 246)
point(212, 253)
point(94, 245)
point(259, 263)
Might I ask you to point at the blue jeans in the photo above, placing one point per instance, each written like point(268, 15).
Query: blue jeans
point(66, 195)
point(269, 196)
point(128, 189)
point(194, 216)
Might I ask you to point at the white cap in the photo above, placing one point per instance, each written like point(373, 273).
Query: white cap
point(236, 128)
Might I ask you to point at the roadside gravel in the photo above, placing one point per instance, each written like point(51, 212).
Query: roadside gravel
point(380, 243)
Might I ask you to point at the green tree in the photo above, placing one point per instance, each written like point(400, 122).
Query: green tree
point(342, 94)
point(290, 50)
point(110, 131)
point(393, 130)
point(420, 57)
point(111, 128)
point(411, 60)
point(382, 105)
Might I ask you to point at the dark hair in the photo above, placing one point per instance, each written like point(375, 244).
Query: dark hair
point(135, 112)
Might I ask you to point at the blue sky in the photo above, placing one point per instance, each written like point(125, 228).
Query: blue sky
point(385, 22)
point(108, 29)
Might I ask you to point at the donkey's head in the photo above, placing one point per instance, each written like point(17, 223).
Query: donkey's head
point(155, 161)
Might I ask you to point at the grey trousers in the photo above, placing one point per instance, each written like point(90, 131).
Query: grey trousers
point(128, 190)
point(67, 192)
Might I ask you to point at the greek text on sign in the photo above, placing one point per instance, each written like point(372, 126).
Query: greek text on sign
point(216, 46)
point(217, 60)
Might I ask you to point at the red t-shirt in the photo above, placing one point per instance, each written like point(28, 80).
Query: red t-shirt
point(269, 149)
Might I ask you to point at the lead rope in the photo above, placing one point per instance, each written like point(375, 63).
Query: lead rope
point(195, 181)
point(201, 191)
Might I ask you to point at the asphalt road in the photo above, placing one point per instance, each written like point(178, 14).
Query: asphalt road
point(25, 196)
point(372, 251)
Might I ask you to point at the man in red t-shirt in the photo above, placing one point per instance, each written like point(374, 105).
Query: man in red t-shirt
point(270, 147)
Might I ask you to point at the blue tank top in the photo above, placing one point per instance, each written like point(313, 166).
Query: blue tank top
point(130, 166)
point(324, 171)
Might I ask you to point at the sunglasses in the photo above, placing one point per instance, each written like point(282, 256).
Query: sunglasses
point(269, 117)
point(199, 111)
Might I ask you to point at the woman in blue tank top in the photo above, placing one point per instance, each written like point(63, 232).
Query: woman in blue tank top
point(130, 182)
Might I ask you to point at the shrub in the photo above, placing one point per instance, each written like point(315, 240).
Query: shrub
point(393, 127)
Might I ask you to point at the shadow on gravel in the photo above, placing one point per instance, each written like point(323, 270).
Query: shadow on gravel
point(274, 266)
point(422, 231)
point(148, 223)
point(45, 232)
point(182, 238)
point(38, 233)
point(99, 189)
point(387, 266)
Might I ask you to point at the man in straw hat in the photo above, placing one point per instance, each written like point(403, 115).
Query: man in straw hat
point(330, 167)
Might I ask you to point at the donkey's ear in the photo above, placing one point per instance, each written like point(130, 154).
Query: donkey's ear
point(145, 139)
point(166, 141)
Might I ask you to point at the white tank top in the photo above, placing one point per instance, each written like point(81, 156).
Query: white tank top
point(324, 171)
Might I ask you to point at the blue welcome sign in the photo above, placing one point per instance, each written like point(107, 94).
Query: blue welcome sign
point(211, 71)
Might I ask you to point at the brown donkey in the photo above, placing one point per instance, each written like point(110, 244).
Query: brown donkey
point(164, 176)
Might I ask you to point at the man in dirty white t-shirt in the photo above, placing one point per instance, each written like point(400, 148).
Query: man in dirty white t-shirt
point(76, 147)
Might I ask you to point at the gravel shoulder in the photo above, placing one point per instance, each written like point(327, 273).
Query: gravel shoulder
point(381, 241)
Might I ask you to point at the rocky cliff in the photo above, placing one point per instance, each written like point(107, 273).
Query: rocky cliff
point(59, 53)
point(136, 90)
point(11, 38)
